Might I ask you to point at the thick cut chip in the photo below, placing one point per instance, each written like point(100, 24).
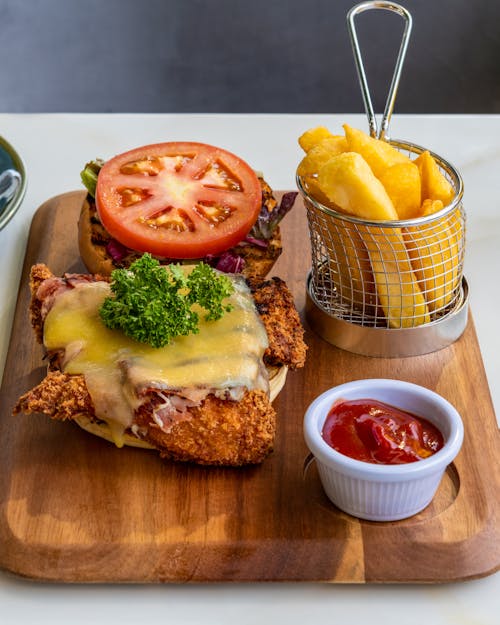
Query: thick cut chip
point(320, 154)
point(313, 136)
point(435, 253)
point(350, 268)
point(429, 207)
point(434, 184)
point(402, 183)
point(315, 191)
point(397, 287)
point(348, 182)
point(378, 154)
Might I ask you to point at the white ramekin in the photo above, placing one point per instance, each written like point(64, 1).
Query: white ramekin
point(378, 492)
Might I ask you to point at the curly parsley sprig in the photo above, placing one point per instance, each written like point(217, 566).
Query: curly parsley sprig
point(153, 303)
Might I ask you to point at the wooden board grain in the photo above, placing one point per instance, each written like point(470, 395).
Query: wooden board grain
point(74, 508)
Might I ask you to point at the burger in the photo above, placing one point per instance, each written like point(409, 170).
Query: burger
point(180, 358)
point(182, 202)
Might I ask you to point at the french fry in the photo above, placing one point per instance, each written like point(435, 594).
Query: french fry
point(378, 154)
point(350, 268)
point(434, 250)
point(429, 207)
point(402, 183)
point(321, 153)
point(397, 287)
point(348, 182)
point(434, 184)
point(349, 265)
point(312, 187)
point(313, 136)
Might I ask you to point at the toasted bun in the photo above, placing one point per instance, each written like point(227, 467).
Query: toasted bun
point(259, 261)
point(93, 239)
point(277, 379)
point(103, 430)
point(93, 255)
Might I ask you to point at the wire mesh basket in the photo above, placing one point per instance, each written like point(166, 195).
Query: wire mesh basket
point(387, 288)
point(391, 274)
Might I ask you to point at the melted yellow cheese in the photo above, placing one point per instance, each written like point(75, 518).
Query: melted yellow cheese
point(224, 355)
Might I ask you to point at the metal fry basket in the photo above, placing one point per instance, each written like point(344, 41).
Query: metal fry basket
point(387, 288)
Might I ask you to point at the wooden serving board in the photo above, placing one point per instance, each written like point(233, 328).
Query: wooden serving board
point(76, 509)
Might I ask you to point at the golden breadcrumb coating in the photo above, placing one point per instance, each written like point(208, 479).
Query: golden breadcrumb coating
point(220, 432)
point(59, 395)
point(38, 274)
point(274, 302)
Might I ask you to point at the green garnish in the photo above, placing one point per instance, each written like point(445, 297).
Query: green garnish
point(153, 303)
point(89, 175)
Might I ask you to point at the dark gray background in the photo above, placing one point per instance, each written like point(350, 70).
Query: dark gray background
point(242, 56)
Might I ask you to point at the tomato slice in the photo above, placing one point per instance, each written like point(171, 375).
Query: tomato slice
point(178, 200)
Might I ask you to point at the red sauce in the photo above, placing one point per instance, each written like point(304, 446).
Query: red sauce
point(369, 430)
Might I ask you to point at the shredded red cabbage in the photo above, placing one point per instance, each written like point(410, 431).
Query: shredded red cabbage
point(257, 242)
point(268, 221)
point(116, 250)
point(227, 262)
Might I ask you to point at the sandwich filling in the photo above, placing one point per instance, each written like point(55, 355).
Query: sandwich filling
point(224, 359)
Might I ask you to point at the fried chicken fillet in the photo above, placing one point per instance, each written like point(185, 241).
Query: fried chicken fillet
point(214, 431)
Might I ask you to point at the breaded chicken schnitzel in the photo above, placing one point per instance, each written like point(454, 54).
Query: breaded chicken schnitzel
point(205, 426)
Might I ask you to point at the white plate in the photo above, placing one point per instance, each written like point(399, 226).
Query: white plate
point(9, 158)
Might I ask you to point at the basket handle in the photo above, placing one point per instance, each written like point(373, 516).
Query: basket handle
point(391, 97)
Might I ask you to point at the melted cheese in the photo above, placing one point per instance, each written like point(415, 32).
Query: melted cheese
point(224, 355)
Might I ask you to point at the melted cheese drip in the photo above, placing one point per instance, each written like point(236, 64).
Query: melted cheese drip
point(224, 355)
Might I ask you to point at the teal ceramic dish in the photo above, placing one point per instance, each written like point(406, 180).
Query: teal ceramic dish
point(10, 159)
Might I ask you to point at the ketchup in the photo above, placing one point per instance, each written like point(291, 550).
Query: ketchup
point(371, 431)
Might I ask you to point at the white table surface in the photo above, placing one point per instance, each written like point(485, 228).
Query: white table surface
point(55, 147)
